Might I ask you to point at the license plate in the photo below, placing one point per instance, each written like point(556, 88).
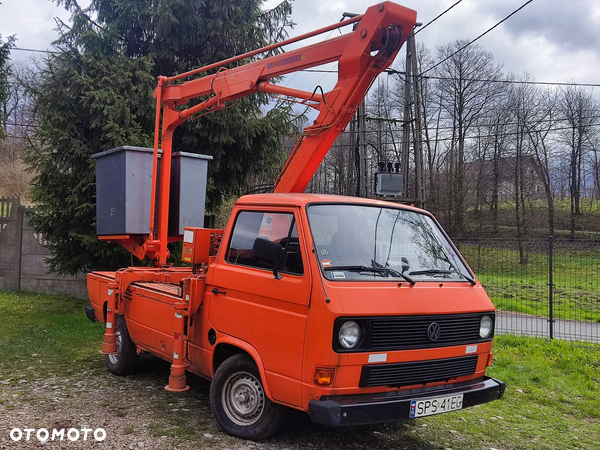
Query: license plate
point(435, 405)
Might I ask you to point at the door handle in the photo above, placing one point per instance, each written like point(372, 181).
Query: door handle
point(216, 291)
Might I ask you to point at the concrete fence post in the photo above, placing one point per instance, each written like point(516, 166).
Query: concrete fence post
point(551, 287)
point(11, 233)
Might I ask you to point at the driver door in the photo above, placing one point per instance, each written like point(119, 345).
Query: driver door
point(252, 305)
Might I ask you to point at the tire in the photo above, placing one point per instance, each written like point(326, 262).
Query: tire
point(239, 403)
point(126, 359)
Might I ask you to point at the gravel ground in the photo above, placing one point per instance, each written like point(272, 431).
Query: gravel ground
point(137, 413)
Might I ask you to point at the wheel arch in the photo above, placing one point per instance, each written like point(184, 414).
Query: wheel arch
point(228, 347)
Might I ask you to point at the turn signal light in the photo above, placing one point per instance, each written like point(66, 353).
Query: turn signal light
point(489, 363)
point(323, 377)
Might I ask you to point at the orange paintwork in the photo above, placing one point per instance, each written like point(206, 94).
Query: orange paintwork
point(197, 317)
point(285, 325)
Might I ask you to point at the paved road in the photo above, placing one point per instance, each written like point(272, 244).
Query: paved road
point(570, 330)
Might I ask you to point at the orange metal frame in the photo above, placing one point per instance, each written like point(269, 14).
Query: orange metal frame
point(361, 54)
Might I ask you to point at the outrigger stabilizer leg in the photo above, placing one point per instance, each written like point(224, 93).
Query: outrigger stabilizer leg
point(177, 381)
point(109, 346)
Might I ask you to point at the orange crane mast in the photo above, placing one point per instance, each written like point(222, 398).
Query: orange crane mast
point(361, 55)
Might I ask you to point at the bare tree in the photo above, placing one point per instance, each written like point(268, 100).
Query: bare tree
point(522, 101)
point(16, 107)
point(540, 132)
point(467, 85)
point(431, 116)
point(593, 160)
point(595, 164)
point(384, 134)
point(491, 151)
point(580, 112)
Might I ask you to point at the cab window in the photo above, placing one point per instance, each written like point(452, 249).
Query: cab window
point(278, 228)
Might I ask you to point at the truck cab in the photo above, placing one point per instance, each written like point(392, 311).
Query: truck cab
point(354, 310)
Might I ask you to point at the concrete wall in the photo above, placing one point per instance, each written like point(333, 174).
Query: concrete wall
point(23, 257)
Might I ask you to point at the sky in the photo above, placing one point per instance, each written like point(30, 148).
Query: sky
point(550, 40)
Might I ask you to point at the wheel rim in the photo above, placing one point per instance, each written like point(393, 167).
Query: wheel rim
point(114, 359)
point(243, 398)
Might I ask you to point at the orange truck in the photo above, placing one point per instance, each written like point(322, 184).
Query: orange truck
point(353, 310)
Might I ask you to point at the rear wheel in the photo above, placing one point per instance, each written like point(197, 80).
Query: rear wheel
point(239, 403)
point(126, 359)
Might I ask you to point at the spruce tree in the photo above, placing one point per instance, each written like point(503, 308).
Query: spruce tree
point(96, 94)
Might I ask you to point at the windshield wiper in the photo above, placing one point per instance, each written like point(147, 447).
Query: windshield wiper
point(363, 268)
point(443, 272)
point(410, 280)
point(431, 272)
point(468, 278)
point(383, 270)
point(392, 271)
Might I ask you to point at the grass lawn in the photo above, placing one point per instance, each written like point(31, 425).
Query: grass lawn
point(523, 286)
point(551, 401)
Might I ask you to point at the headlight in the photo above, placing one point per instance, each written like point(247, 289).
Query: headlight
point(349, 334)
point(486, 326)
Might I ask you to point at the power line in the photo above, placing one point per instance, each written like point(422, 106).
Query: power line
point(483, 80)
point(23, 138)
point(497, 135)
point(480, 136)
point(432, 139)
point(436, 18)
point(400, 121)
point(417, 32)
point(33, 50)
point(26, 125)
point(542, 83)
point(501, 124)
point(467, 138)
point(478, 37)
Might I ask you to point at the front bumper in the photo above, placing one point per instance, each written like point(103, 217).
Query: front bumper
point(373, 408)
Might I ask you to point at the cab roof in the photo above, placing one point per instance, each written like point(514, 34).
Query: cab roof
point(303, 199)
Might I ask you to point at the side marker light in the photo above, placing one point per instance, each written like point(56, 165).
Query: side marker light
point(323, 377)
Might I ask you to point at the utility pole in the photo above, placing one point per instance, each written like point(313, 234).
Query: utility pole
point(360, 152)
point(357, 159)
point(418, 125)
point(350, 167)
point(412, 122)
point(363, 149)
point(407, 119)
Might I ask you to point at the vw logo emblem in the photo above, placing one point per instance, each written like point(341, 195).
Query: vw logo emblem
point(433, 332)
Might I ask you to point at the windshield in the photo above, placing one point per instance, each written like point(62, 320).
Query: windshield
point(355, 242)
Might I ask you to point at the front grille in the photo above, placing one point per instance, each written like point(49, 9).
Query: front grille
point(419, 372)
point(410, 332)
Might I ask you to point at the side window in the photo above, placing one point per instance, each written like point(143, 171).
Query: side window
point(279, 228)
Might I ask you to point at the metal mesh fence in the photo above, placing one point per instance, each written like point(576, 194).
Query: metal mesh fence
point(540, 287)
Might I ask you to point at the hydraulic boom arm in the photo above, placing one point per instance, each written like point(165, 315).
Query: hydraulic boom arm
point(361, 54)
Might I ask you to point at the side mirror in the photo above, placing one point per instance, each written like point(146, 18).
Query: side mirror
point(267, 251)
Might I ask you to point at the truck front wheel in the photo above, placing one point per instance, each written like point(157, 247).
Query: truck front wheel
point(239, 403)
point(126, 359)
